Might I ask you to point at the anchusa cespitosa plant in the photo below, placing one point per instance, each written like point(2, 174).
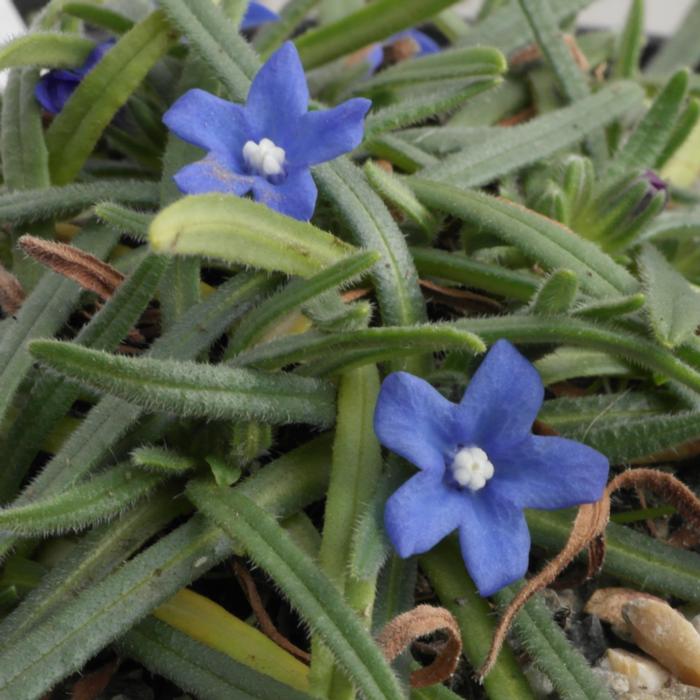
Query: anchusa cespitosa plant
point(327, 330)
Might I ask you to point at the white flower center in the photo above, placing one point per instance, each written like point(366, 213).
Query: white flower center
point(264, 158)
point(471, 468)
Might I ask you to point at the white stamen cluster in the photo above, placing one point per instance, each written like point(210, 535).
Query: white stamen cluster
point(265, 158)
point(471, 468)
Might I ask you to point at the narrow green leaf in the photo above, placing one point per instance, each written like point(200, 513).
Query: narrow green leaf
point(193, 389)
point(271, 35)
point(240, 230)
point(512, 148)
point(610, 308)
point(552, 653)
point(198, 669)
point(77, 128)
point(685, 125)
point(93, 501)
point(457, 267)
point(631, 42)
point(444, 567)
point(570, 363)
point(309, 591)
point(293, 295)
point(679, 223)
point(400, 153)
point(647, 142)
point(159, 459)
point(631, 556)
point(102, 612)
point(413, 110)
point(330, 353)
point(128, 221)
point(557, 294)
point(372, 227)
point(545, 241)
point(98, 16)
point(372, 23)
point(216, 41)
point(46, 50)
point(49, 202)
point(672, 303)
point(681, 48)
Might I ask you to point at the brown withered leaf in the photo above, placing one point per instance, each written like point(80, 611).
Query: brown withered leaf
point(89, 272)
point(11, 292)
point(91, 686)
point(406, 628)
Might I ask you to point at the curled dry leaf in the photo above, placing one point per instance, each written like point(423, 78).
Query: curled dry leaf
point(641, 672)
point(606, 604)
point(11, 292)
point(666, 635)
point(588, 532)
point(89, 272)
point(396, 635)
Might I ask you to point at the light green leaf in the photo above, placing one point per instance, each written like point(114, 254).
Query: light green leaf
point(47, 50)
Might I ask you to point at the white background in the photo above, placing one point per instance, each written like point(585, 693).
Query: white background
point(662, 16)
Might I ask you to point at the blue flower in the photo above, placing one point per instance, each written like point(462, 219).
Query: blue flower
point(423, 45)
point(55, 87)
point(480, 466)
point(257, 14)
point(267, 146)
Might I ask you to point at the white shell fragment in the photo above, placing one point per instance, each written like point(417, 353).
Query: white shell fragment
point(641, 672)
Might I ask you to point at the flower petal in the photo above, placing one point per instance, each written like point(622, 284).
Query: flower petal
point(495, 542)
point(96, 55)
point(209, 122)
point(503, 397)
point(212, 175)
point(426, 43)
point(421, 512)
point(53, 92)
point(278, 96)
point(414, 420)
point(295, 196)
point(257, 14)
point(327, 133)
point(549, 473)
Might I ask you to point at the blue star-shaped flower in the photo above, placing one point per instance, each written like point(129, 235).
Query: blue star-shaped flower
point(480, 466)
point(55, 87)
point(257, 14)
point(267, 146)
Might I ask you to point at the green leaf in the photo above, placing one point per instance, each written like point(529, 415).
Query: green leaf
point(104, 611)
point(648, 141)
point(372, 227)
point(271, 35)
point(215, 39)
point(413, 110)
point(46, 50)
point(557, 294)
point(457, 267)
point(78, 126)
point(309, 590)
point(294, 295)
point(445, 569)
point(198, 669)
point(678, 223)
point(542, 240)
point(42, 315)
point(610, 308)
point(194, 389)
point(681, 48)
point(130, 222)
point(333, 352)
point(49, 202)
point(372, 23)
point(673, 305)
point(160, 460)
point(242, 231)
point(509, 149)
point(685, 125)
point(570, 363)
point(93, 501)
point(629, 50)
point(98, 16)
point(552, 653)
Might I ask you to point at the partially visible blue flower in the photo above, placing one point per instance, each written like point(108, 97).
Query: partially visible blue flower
point(257, 14)
point(55, 87)
point(480, 466)
point(424, 45)
point(268, 145)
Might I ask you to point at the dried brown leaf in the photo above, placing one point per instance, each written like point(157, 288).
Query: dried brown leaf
point(398, 634)
point(89, 272)
point(91, 686)
point(11, 292)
